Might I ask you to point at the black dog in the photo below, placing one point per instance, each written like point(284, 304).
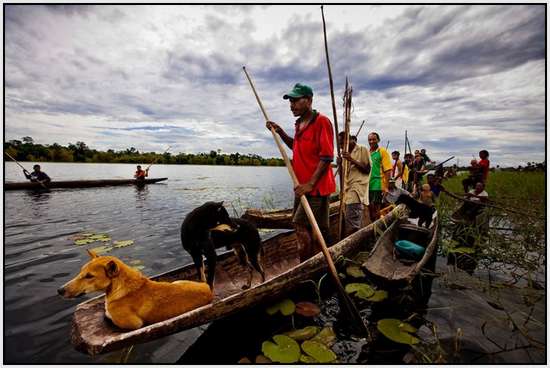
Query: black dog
point(195, 235)
point(198, 239)
point(418, 210)
point(246, 244)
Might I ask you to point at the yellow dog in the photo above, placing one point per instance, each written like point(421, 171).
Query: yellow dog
point(132, 300)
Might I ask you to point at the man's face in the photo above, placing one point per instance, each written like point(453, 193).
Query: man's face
point(37, 169)
point(394, 156)
point(479, 187)
point(299, 106)
point(373, 141)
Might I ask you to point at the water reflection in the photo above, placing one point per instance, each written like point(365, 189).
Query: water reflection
point(142, 192)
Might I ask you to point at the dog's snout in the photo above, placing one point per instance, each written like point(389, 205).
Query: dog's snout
point(61, 291)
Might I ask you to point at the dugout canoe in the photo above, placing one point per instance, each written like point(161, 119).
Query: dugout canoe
point(278, 219)
point(382, 262)
point(79, 183)
point(93, 334)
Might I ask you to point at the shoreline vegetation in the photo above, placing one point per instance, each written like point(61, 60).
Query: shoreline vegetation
point(26, 150)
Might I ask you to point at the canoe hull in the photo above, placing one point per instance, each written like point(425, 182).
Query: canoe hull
point(93, 334)
point(79, 184)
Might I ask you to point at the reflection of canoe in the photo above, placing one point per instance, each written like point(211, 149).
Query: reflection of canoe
point(79, 183)
point(93, 334)
point(277, 219)
point(383, 263)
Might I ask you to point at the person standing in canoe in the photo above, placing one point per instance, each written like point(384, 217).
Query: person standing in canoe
point(380, 175)
point(37, 176)
point(312, 154)
point(397, 169)
point(356, 193)
point(141, 174)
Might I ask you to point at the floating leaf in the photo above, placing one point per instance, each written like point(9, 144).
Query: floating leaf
point(378, 296)
point(100, 237)
point(342, 275)
point(102, 249)
point(307, 359)
point(138, 267)
point(361, 257)
point(284, 350)
point(318, 351)
point(307, 309)
point(286, 307)
point(302, 334)
point(244, 360)
point(262, 359)
point(355, 271)
point(83, 241)
point(325, 336)
point(122, 243)
point(361, 290)
point(397, 331)
point(136, 262)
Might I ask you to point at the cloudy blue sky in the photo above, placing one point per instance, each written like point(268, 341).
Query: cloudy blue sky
point(458, 78)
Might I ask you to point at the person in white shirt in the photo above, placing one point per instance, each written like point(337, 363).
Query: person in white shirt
point(393, 192)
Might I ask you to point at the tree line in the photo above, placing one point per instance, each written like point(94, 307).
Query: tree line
point(27, 150)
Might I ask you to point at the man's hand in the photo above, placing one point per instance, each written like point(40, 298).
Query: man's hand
point(347, 156)
point(302, 189)
point(276, 127)
point(26, 172)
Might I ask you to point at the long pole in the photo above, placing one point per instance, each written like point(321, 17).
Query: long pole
point(316, 231)
point(357, 134)
point(21, 166)
point(344, 167)
point(405, 150)
point(155, 160)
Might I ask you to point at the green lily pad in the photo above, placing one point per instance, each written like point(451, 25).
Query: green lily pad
point(83, 241)
point(326, 336)
point(284, 350)
point(318, 351)
point(361, 290)
point(286, 306)
point(307, 359)
point(100, 237)
point(466, 250)
point(302, 334)
point(361, 257)
point(101, 249)
point(122, 243)
point(307, 309)
point(397, 331)
point(355, 271)
point(378, 296)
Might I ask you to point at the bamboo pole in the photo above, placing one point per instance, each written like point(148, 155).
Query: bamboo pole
point(405, 150)
point(27, 171)
point(357, 134)
point(354, 313)
point(344, 167)
point(155, 160)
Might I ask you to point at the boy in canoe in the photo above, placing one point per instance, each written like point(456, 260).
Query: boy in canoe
point(313, 151)
point(141, 174)
point(37, 176)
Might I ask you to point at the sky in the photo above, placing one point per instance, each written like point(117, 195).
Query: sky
point(457, 78)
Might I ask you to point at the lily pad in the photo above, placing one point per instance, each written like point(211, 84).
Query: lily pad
point(102, 249)
point(378, 296)
point(397, 331)
point(307, 359)
point(284, 350)
point(286, 306)
point(307, 309)
point(318, 351)
point(302, 334)
point(122, 243)
point(325, 336)
point(355, 271)
point(83, 241)
point(361, 290)
point(100, 237)
point(361, 257)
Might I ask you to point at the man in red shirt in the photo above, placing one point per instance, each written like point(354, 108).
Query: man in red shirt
point(484, 164)
point(313, 152)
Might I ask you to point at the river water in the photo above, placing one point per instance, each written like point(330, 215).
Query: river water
point(39, 256)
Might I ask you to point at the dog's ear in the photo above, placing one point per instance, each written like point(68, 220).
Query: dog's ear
point(220, 206)
point(111, 269)
point(91, 253)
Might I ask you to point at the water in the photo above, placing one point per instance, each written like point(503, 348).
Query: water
point(39, 256)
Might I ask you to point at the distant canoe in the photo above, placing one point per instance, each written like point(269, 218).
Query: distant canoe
point(79, 183)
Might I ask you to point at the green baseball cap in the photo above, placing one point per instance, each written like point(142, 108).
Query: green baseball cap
point(299, 90)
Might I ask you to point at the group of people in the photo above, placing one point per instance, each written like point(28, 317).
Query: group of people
point(373, 181)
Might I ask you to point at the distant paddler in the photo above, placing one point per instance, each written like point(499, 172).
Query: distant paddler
point(313, 152)
point(140, 174)
point(36, 176)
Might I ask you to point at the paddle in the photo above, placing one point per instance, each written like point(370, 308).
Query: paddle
point(317, 232)
point(359, 130)
point(155, 160)
point(25, 170)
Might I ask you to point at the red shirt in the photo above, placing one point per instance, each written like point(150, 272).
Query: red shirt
point(312, 144)
point(484, 165)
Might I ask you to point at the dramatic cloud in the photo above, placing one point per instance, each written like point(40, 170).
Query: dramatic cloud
point(458, 78)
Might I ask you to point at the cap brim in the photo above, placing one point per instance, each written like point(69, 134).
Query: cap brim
point(291, 95)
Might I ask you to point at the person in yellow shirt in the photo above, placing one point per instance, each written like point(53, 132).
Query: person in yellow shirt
point(356, 192)
point(380, 174)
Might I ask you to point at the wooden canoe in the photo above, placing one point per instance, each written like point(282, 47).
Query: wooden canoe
point(92, 333)
point(384, 264)
point(277, 219)
point(79, 183)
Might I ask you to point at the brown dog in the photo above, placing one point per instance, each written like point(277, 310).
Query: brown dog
point(132, 300)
